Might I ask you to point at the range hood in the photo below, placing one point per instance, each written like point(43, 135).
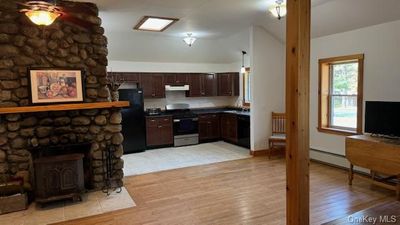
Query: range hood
point(177, 87)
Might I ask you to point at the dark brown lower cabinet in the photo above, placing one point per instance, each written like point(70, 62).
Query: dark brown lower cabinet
point(209, 127)
point(229, 130)
point(159, 131)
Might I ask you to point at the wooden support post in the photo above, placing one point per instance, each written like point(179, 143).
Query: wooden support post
point(297, 111)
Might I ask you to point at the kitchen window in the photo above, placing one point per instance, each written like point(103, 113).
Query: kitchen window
point(246, 88)
point(340, 94)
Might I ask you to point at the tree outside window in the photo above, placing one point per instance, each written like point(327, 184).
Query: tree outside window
point(340, 94)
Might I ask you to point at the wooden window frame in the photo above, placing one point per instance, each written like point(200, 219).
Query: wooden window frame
point(244, 103)
point(324, 88)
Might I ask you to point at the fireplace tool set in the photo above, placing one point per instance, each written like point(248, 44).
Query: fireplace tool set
point(108, 171)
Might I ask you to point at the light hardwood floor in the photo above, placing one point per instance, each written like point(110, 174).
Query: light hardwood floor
point(249, 191)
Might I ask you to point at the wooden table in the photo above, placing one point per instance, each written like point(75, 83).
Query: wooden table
point(388, 213)
point(380, 155)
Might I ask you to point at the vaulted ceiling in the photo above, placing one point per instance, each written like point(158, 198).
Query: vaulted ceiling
point(212, 21)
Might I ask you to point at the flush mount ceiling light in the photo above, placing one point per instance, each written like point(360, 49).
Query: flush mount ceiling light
point(41, 12)
point(189, 40)
point(278, 10)
point(154, 23)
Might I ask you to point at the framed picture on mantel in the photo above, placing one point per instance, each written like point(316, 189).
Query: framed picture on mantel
point(50, 86)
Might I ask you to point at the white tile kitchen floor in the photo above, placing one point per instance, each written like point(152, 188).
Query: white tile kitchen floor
point(179, 157)
point(93, 203)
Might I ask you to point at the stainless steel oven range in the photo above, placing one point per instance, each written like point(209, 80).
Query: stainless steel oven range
point(186, 125)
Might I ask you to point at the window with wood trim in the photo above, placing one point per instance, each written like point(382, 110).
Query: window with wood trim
point(246, 88)
point(340, 94)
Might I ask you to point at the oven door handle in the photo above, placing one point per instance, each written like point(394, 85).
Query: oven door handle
point(179, 120)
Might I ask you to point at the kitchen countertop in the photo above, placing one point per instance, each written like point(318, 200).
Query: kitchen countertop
point(200, 111)
point(238, 112)
point(163, 114)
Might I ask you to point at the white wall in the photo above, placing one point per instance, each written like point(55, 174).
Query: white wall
point(194, 102)
point(268, 84)
point(381, 46)
point(152, 47)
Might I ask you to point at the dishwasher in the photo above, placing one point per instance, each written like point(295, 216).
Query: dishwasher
point(244, 131)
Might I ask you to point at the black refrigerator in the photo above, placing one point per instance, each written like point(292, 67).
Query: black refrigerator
point(133, 121)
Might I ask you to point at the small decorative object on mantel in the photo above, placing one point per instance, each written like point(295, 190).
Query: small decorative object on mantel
point(49, 86)
point(114, 82)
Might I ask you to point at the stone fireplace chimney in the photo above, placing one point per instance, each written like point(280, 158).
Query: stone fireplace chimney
point(61, 45)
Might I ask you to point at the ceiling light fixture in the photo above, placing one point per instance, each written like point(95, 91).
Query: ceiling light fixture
point(153, 23)
point(243, 69)
point(278, 10)
point(42, 13)
point(189, 40)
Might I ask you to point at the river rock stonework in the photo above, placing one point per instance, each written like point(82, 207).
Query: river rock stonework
point(63, 44)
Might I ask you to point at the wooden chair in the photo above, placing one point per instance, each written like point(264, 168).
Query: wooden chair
point(278, 138)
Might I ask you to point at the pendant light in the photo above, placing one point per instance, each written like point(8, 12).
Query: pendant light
point(189, 40)
point(243, 69)
point(279, 9)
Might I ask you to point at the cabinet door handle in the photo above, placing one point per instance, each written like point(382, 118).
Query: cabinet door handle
point(159, 126)
point(152, 121)
point(166, 119)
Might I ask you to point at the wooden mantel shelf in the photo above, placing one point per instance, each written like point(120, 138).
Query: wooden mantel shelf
point(63, 107)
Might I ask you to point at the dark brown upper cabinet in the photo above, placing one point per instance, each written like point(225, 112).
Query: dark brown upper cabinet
point(175, 79)
point(236, 84)
point(202, 85)
point(131, 77)
point(153, 85)
point(115, 76)
point(125, 76)
point(228, 84)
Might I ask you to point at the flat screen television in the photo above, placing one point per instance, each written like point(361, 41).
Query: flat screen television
point(382, 118)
